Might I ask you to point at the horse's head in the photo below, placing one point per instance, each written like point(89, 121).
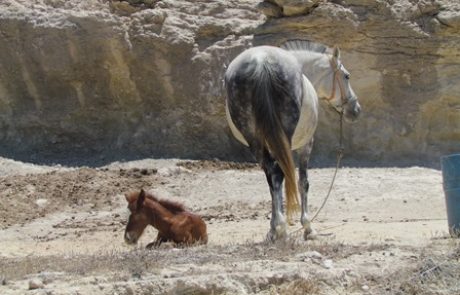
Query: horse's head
point(138, 219)
point(336, 88)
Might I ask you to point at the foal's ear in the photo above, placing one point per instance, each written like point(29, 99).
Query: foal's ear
point(140, 199)
point(336, 52)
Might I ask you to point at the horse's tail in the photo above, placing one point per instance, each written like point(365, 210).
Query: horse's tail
point(270, 131)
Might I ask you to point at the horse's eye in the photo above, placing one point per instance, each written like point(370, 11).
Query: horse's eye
point(347, 76)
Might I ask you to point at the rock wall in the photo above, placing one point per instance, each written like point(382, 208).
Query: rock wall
point(94, 81)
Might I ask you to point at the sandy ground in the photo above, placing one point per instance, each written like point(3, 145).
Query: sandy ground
point(377, 222)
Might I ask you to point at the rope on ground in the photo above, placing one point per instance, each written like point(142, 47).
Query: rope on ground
point(340, 151)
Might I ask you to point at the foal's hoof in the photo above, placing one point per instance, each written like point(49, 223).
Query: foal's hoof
point(310, 234)
point(152, 245)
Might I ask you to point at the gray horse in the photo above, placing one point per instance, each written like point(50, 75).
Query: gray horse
point(272, 107)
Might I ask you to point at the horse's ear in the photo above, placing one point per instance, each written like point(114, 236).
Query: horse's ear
point(140, 199)
point(336, 52)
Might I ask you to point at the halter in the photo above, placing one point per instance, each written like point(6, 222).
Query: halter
point(335, 80)
point(340, 149)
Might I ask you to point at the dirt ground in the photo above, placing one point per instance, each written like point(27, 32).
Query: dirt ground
point(383, 231)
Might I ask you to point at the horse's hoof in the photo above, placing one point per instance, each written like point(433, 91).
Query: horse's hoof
point(310, 234)
point(273, 237)
point(280, 233)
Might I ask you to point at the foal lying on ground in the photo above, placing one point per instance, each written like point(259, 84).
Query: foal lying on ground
point(171, 220)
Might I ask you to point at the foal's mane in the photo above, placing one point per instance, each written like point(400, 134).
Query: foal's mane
point(304, 45)
point(172, 206)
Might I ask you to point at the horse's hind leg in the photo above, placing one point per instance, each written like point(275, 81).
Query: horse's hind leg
point(304, 185)
point(275, 179)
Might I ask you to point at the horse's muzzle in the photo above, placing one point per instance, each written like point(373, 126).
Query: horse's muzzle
point(352, 110)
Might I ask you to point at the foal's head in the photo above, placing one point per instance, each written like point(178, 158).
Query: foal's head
point(139, 217)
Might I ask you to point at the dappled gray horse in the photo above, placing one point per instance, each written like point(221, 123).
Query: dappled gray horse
point(272, 107)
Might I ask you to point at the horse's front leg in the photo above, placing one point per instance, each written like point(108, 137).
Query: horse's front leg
point(275, 178)
point(304, 185)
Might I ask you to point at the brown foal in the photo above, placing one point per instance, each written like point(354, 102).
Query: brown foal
point(172, 221)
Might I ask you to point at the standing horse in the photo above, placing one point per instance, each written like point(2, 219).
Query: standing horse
point(171, 220)
point(272, 107)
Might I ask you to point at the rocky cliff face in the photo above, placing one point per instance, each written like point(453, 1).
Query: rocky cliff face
point(103, 80)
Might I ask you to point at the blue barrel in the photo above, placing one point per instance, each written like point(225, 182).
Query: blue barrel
point(451, 183)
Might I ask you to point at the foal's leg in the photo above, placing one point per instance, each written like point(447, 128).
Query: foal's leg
point(304, 155)
point(160, 239)
point(275, 179)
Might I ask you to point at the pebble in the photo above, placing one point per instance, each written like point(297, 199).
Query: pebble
point(35, 284)
point(314, 254)
point(310, 255)
point(327, 263)
point(41, 202)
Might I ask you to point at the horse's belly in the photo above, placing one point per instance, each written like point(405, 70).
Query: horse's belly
point(304, 133)
point(308, 119)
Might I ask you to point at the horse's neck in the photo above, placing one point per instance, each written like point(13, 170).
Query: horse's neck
point(315, 67)
point(159, 216)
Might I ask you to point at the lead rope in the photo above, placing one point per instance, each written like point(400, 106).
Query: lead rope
point(340, 151)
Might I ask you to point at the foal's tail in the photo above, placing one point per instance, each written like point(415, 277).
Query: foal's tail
point(271, 134)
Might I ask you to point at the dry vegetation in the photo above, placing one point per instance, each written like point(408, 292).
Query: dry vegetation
point(84, 207)
point(432, 272)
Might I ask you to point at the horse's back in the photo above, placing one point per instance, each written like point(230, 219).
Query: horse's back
point(259, 68)
point(246, 63)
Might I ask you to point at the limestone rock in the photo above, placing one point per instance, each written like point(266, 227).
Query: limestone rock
point(291, 7)
point(84, 81)
point(449, 18)
point(270, 9)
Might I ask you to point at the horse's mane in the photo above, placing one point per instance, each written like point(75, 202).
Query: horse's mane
point(304, 45)
point(172, 206)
